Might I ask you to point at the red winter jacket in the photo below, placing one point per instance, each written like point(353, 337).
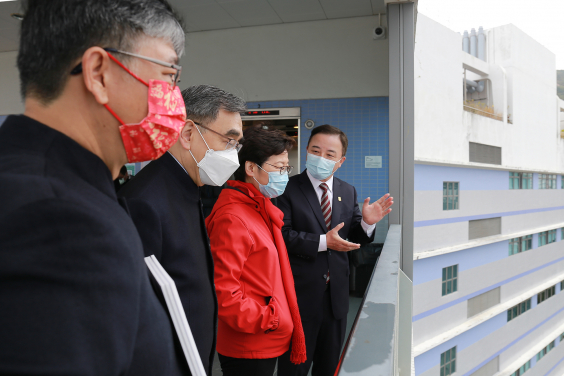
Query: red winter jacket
point(254, 317)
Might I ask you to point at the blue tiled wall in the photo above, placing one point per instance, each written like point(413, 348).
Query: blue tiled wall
point(365, 121)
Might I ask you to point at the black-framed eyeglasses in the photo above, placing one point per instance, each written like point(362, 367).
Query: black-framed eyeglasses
point(283, 170)
point(175, 77)
point(231, 143)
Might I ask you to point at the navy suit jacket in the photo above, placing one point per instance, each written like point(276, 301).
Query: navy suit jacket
point(75, 296)
point(303, 224)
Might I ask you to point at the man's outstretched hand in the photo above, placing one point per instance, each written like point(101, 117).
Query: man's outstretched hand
point(335, 242)
point(373, 213)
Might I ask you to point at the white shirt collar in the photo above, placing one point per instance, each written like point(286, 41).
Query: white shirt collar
point(315, 182)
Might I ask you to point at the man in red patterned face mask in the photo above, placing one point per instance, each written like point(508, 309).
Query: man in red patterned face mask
point(98, 80)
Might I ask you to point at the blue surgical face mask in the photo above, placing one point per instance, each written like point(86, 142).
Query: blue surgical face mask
point(276, 184)
point(319, 167)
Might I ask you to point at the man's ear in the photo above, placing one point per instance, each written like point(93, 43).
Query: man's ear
point(250, 168)
point(186, 135)
point(95, 72)
point(342, 161)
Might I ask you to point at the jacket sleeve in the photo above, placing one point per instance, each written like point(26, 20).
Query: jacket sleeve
point(231, 245)
point(356, 232)
point(69, 295)
point(298, 243)
point(148, 226)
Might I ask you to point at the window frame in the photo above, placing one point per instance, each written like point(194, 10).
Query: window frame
point(449, 364)
point(518, 309)
point(546, 294)
point(547, 181)
point(454, 196)
point(524, 244)
point(520, 180)
point(453, 280)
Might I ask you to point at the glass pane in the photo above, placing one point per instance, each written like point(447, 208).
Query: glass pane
point(455, 271)
point(442, 359)
point(449, 272)
point(450, 189)
point(454, 285)
point(456, 188)
point(455, 202)
point(528, 304)
point(453, 366)
point(442, 371)
point(508, 315)
point(444, 288)
point(444, 274)
point(447, 369)
point(447, 356)
point(444, 189)
point(449, 287)
point(445, 203)
point(514, 312)
point(449, 202)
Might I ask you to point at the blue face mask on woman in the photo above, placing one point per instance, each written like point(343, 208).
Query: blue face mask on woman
point(319, 167)
point(276, 184)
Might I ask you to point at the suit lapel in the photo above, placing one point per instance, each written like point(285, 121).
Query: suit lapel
point(311, 196)
point(336, 205)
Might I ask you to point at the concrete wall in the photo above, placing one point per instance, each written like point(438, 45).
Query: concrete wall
point(10, 100)
point(305, 60)
point(443, 129)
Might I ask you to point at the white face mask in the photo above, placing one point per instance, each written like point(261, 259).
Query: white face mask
point(216, 166)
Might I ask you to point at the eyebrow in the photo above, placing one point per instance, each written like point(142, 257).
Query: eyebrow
point(233, 132)
point(173, 60)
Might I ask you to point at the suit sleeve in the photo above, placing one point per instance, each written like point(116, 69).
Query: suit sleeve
point(299, 243)
point(356, 232)
point(148, 225)
point(69, 295)
point(231, 244)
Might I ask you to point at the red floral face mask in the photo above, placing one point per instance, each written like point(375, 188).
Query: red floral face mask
point(159, 130)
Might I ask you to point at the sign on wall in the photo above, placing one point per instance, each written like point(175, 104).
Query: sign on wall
point(372, 161)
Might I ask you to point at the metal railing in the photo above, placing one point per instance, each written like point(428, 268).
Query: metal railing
point(380, 338)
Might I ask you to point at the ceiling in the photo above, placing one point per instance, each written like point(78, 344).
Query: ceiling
point(201, 15)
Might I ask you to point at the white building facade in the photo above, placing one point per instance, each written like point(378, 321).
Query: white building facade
point(489, 206)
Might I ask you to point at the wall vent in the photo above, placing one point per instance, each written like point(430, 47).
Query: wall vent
point(483, 301)
point(480, 228)
point(489, 368)
point(481, 153)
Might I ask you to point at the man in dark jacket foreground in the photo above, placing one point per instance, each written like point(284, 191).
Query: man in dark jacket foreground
point(75, 295)
point(165, 204)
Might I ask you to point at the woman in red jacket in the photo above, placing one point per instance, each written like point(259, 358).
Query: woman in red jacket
point(258, 310)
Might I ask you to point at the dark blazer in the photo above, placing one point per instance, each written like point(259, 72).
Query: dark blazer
point(75, 297)
point(165, 205)
point(303, 223)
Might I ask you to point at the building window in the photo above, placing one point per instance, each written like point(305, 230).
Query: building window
point(548, 293)
point(562, 286)
point(547, 237)
point(522, 244)
point(450, 195)
point(545, 351)
point(547, 181)
point(520, 180)
point(562, 181)
point(448, 362)
point(518, 309)
point(524, 368)
point(562, 236)
point(561, 337)
point(450, 279)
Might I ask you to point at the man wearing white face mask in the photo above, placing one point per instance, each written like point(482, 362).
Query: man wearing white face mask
point(320, 212)
point(165, 204)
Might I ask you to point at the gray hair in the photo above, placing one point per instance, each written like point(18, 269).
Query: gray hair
point(203, 103)
point(56, 33)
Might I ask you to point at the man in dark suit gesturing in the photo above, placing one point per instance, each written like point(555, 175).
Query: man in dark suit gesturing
point(320, 212)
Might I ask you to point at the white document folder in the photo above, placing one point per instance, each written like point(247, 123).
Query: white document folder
point(178, 315)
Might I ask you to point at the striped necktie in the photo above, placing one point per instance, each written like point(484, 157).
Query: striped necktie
point(325, 205)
